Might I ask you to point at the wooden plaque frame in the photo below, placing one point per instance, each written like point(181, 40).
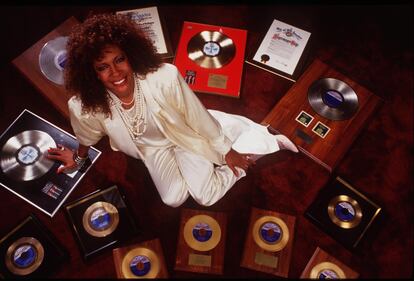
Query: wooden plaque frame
point(320, 256)
point(253, 255)
point(154, 245)
point(28, 64)
point(185, 254)
point(329, 148)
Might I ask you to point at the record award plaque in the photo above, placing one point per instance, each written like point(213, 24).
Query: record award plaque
point(30, 251)
point(201, 241)
point(343, 212)
point(210, 58)
point(25, 169)
point(324, 266)
point(141, 260)
point(100, 221)
point(269, 240)
point(323, 113)
point(43, 63)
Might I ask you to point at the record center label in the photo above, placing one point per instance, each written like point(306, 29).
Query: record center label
point(202, 232)
point(211, 49)
point(100, 219)
point(270, 232)
point(344, 211)
point(328, 274)
point(140, 265)
point(27, 155)
point(24, 256)
point(332, 98)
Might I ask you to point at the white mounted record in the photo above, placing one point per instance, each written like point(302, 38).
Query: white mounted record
point(52, 59)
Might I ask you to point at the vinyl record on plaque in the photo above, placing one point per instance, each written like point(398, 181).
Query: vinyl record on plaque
point(327, 270)
point(333, 99)
point(211, 49)
point(344, 211)
point(270, 233)
point(24, 256)
point(140, 263)
point(23, 156)
point(202, 233)
point(100, 219)
point(52, 59)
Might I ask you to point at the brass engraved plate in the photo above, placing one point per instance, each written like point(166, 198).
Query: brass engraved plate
point(217, 81)
point(266, 260)
point(200, 260)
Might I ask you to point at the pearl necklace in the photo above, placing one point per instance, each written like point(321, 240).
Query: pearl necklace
point(134, 118)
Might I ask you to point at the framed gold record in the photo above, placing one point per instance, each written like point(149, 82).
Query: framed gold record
point(202, 233)
point(268, 243)
point(322, 265)
point(201, 241)
point(30, 251)
point(343, 212)
point(140, 260)
point(100, 219)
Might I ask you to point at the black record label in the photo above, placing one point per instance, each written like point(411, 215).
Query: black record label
point(24, 256)
point(100, 219)
point(333, 99)
point(52, 59)
point(23, 156)
point(211, 49)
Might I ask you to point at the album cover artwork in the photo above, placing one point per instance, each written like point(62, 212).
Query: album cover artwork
point(100, 221)
point(25, 169)
point(282, 51)
point(151, 22)
point(343, 212)
point(30, 251)
point(210, 58)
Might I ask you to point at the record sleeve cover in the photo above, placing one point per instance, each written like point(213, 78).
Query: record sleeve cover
point(25, 170)
point(210, 58)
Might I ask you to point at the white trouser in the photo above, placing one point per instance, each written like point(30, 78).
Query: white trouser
point(178, 173)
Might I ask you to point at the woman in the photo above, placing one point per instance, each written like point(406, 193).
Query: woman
point(124, 91)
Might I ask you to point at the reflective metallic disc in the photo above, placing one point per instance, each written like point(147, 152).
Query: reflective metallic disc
point(333, 99)
point(23, 156)
point(344, 211)
point(211, 49)
point(202, 233)
point(52, 59)
point(140, 263)
point(327, 270)
point(24, 256)
point(270, 233)
point(100, 219)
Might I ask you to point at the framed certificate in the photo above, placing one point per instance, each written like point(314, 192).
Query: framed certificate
point(151, 23)
point(281, 50)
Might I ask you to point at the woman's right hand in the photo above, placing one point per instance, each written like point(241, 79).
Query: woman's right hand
point(64, 155)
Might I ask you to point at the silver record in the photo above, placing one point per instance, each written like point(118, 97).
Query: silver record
point(333, 99)
point(52, 59)
point(211, 49)
point(23, 156)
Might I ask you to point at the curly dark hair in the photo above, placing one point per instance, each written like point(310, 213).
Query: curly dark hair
point(85, 45)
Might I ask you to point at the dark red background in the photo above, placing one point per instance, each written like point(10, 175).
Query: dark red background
point(372, 44)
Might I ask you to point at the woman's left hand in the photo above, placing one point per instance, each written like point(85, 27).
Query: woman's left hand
point(235, 159)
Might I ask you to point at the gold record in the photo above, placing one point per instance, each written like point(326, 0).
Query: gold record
point(344, 211)
point(211, 49)
point(100, 219)
point(24, 256)
point(266, 232)
point(328, 270)
point(202, 233)
point(140, 263)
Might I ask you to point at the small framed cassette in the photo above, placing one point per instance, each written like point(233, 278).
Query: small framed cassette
point(25, 169)
point(150, 21)
point(269, 241)
point(210, 58)
point(100, 221)
point(343, 212)
point(324, 266)
point(141, 260)
point(30, 251)
point(282, 50)
point(43, 64)
point(201, 241)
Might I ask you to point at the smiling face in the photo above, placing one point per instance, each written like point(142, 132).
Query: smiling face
point(115, 72)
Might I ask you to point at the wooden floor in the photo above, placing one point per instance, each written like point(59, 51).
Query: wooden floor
point(371, 44)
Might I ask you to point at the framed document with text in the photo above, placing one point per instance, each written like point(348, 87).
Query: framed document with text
point(151, 23)
point(282, 50)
